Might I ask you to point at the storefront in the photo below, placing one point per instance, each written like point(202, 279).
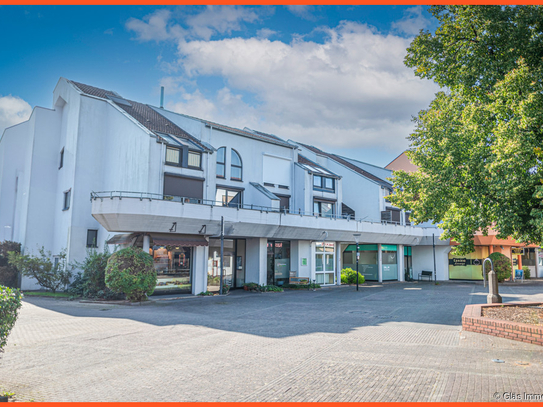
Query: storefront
point(407, 263)
point(233, 263)
point(469, 266)
point(172, 256)
point(390, 262)
point(368, 264)
point(278, 261)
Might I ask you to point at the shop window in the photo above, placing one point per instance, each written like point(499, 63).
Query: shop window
point(221, 159)
point(173, 156)
point(173, 267)
point(322, 208)
point(195, 160)
point(228, 197)
point(235, 166)
point(92, 238)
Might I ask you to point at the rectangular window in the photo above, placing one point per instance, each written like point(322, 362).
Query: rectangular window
point(195, 159)
point(235, 172)
point(67, 197)
point(323, 183)
point(317, 181)
point(92, 238)
point(325, 209)
point(324, 262)
point(173, 156)
point(61, 159)
point(227, 197)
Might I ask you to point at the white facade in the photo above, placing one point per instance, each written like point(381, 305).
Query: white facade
point(117, 150)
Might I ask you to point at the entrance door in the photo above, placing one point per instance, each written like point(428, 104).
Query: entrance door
point(233, 263)
point(278, 262)
point(408, 263)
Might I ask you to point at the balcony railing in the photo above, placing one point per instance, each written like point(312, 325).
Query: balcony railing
point(207, 202)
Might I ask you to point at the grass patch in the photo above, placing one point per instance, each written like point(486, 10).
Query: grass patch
point(47, 294)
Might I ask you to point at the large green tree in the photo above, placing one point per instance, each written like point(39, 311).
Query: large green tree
point(478, 144)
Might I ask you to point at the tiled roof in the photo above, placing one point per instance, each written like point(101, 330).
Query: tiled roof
point(146, 116)
point(267, 135)
point(348, 165)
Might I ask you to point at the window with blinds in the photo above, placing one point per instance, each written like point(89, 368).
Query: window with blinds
point(195, 160)
point(173, 156)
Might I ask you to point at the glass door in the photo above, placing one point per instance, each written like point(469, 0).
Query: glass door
point(278, 262)
point(325, 269)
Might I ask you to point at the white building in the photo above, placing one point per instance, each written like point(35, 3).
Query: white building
point(97, 167)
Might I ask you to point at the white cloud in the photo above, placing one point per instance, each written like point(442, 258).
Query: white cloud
point(304, 11)
point(265, 33)
point(13, 110)
point(353, 89)
point(412, 22)
point(213, 20)
point(155, 27)
point(220, 20)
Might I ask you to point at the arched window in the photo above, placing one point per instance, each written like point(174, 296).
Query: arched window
point(221, 159)
point(235, 166)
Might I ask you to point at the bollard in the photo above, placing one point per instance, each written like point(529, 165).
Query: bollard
point(493, 297)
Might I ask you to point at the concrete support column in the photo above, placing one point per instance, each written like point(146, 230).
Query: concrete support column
point(200, 256)
point(380, 262)
point(146, 243)
point(256, 270)
point(401, 274)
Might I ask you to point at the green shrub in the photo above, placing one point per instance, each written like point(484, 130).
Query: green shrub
point(10, 302)
point(502, 266)
point(526, 270)
point(131, 271)
point(48, 274)
point(91, 281)
point(348, 276)
point(271, 287)
point(9, 275)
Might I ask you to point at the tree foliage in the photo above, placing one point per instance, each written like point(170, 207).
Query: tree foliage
point(132, 272)
point(478, 144)
point(8, 273)
point(10, 302)
point(502, 266)
point(90, 280)
point(48, 273)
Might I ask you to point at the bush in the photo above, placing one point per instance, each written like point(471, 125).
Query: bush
point(526, 270)
point(502, 266)
point(48, 274)
point(9, 275)
point(10, 302)
point(131, 271)
point(348, 276)
point(91, 281)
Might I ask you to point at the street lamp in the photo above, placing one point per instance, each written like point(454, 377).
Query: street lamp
point(357, 239)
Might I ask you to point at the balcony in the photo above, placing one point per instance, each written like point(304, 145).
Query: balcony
point(120, 211)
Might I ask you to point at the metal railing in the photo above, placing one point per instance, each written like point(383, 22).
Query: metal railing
point(207, 202)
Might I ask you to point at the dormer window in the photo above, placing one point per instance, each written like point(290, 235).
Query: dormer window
point(195, 160)
point(173, 156)
point(323, 183)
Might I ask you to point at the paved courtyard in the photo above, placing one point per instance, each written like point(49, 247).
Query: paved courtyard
point(389, 342)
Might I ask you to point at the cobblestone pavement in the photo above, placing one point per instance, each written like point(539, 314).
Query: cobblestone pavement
point(387, 342)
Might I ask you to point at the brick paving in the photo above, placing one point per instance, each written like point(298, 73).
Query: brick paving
point(387, 342)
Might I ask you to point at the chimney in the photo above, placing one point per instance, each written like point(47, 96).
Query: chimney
point(162, 97)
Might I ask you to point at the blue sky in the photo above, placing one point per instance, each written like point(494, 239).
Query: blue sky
point(331, 76)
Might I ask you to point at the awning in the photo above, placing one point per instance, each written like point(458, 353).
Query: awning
point(173, 240)
point(126, 238)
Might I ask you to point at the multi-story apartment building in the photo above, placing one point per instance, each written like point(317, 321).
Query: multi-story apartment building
point(98, 167)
